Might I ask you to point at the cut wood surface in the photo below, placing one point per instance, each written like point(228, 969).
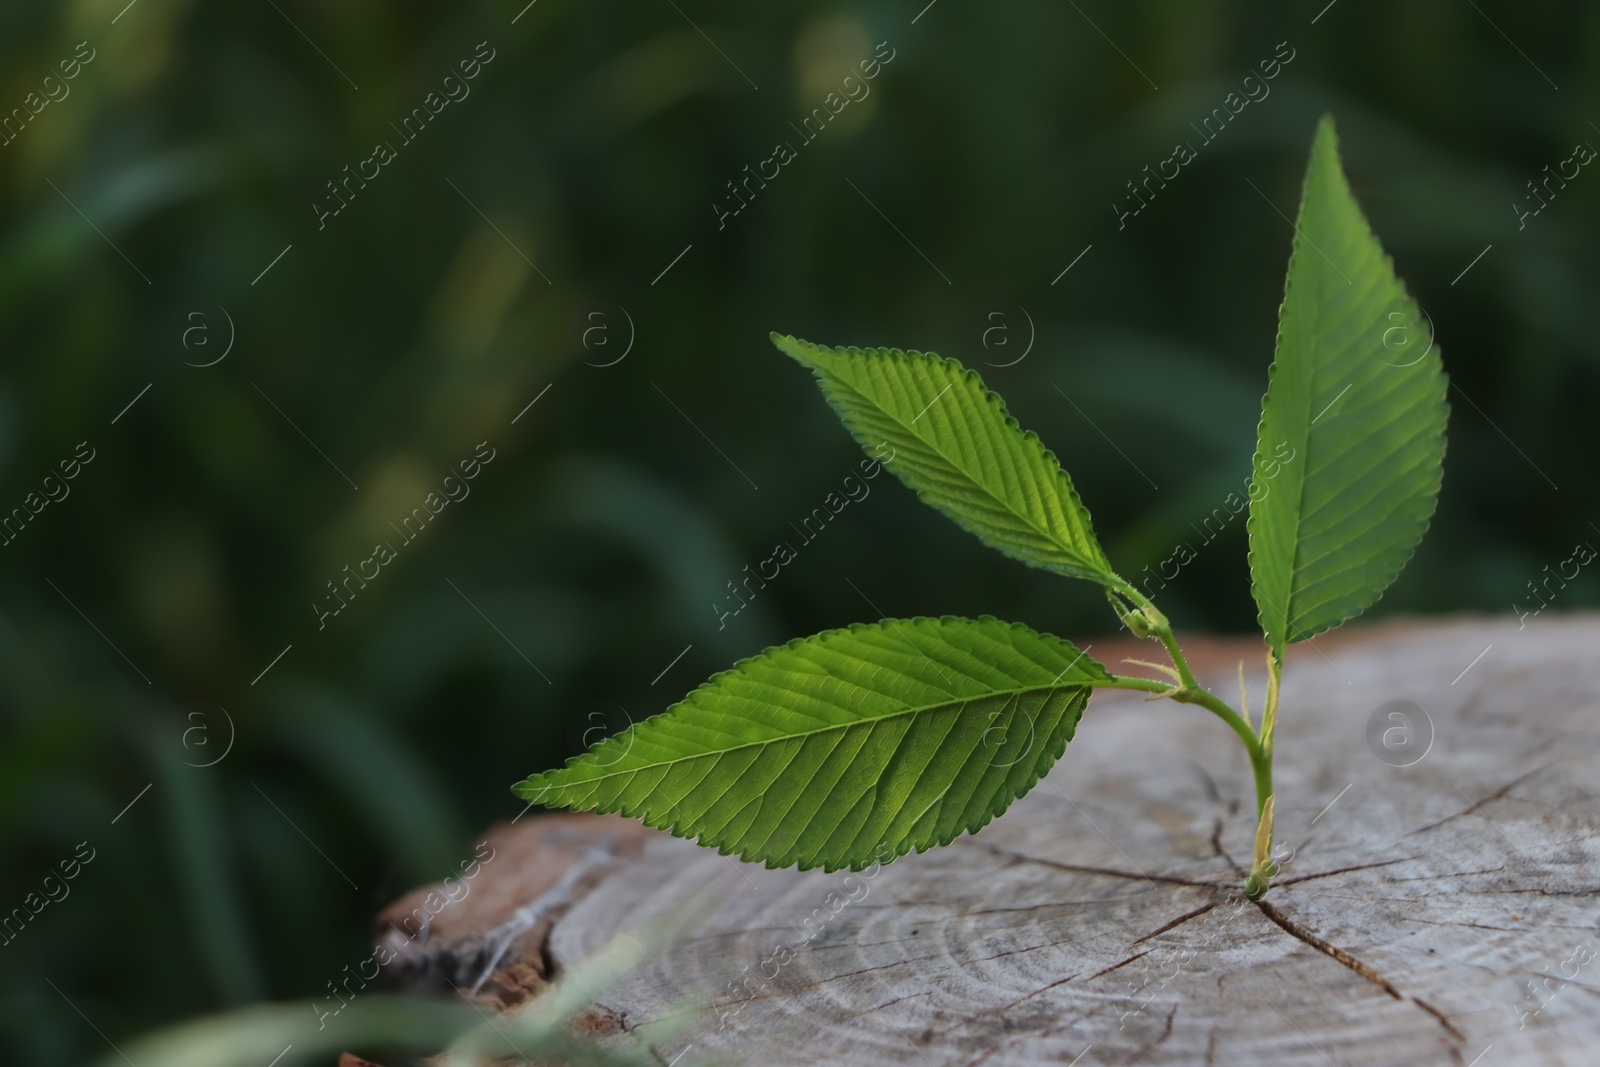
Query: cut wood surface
point(1442, 912)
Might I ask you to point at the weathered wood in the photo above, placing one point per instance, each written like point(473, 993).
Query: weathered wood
point(1443, 912)
point(486, 931)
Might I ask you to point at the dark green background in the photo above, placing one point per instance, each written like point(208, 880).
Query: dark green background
point(597, 541)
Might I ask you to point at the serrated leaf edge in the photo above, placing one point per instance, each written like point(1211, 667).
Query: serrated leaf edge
point(1272, 371)
point(1103, 573)
point(525, 787)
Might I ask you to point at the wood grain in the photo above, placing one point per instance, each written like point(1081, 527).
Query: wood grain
point(1439, 913)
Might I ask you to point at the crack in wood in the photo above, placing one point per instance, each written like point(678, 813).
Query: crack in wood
point(1294, 929)
point(888, 1003)
point(1473, 806)
point(1026, 948)
point(1008, 1007)
point(1166, 1032)
point(1119, 966)
point(1502, 929)
point(1297, 879)
point(1444, 1020)
point(1216, 847)
point(1041, 992)
point(1179, 921)
point(1441, 877)
point(1542, 891)
point(833, 978)
point(999, 1046)
point(1110, 872)
point(1031, 907)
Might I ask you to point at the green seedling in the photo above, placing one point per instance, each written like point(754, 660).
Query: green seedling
point(859, 745)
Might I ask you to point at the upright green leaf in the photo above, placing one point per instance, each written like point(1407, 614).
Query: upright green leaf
point(953, 441)
point(1349, 451)
point(846, 748)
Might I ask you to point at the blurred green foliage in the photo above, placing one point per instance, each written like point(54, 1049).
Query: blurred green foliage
point(458, 285)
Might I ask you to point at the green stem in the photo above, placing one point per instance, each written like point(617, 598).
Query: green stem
point(1261, 763)
point(1262, 868)
point(1191, 691)
point(1162, 629)
point(1258, 747)
point(1204, 698)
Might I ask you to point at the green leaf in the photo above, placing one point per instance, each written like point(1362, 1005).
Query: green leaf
point(952, 440)
point(851, 747)
point(1351, 443)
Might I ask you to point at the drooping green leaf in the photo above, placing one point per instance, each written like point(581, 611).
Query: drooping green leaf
point(846, 748)
point(1351, 442)
point(951, 439)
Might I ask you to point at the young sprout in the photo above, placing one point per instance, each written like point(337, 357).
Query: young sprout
point(859, 745)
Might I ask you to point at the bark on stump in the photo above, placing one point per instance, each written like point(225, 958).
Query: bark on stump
point(1442, 912)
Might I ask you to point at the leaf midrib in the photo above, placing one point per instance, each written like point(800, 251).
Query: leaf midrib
point(822, 730)
point(1300, 489)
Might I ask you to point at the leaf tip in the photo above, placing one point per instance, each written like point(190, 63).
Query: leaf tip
point(532, 789)
point(1325, 143)
point(790, 345)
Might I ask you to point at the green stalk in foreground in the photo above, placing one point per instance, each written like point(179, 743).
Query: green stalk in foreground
point(858, 745)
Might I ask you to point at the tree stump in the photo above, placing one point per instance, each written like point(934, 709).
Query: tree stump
point(1437, 902)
